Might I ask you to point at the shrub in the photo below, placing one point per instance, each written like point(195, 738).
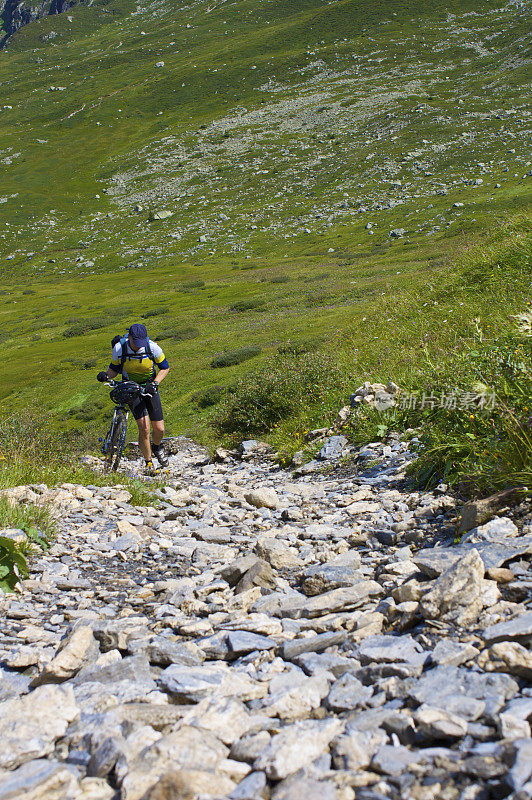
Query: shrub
point(283, 388)
point(195, 284)
point(81, 328)
point(290, 348)
point(179, 334)
point(235, 357)
point(280, 279)
point(155, 312)
point(257, 304)
point(82, 363)
point(209, 397)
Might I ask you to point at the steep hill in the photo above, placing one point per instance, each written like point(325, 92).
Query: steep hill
point(307, 157)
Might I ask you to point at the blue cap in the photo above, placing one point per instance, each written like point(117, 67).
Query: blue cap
point(139, 335)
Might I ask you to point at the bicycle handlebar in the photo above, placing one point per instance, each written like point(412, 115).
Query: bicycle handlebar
point(142, 391)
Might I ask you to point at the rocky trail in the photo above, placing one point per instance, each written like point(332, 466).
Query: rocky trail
point(262, 634)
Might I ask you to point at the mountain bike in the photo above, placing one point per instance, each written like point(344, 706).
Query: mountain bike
point(123, 394)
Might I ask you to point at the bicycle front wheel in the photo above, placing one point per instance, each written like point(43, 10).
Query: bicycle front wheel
point(117, 442)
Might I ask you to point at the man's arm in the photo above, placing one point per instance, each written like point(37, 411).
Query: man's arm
point(161, 375)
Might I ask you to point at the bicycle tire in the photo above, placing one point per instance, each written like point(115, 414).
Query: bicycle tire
point(117, 441)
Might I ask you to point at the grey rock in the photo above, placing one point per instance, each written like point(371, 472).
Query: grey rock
point(436, 685)
point(242, 642)
point(521, 770)
point(262, 498)
point(12, 684)
point(163, 651)
point(251, 788)
point(496, 530)
point(295, 746)
point(348, 693)
point(300, 788)
point(333, 448)
point(434, 561)
point(30, 725)
point(335, 600)
point(477, 512)
point(456, 595)
point(449, 653)
point(323, 578)
point(516, 628)
point(389, 649)
point(40, 780)
point(312, 644)
point(394, 759)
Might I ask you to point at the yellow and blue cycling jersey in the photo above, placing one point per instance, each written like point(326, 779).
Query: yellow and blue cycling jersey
point(138, 365)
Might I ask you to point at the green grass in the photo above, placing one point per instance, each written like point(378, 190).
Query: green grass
point(275, 133)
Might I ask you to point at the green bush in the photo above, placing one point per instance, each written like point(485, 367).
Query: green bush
point(285, 387)
point(82, 363)
point(155, 312)
point(290, 348)
point(195, 284)
point(86, 326)
point(280, 279)
point(257, 304)
point(235, 357)
point(209, 397)
point(13, 564)
point(179, 334)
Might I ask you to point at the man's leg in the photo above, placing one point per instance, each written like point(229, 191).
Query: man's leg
point(157, 431)
point(144, 437)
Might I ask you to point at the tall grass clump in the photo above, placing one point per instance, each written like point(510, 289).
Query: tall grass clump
point(39, 528)
point(471, 403)
point(32, 451)
point(286, 387)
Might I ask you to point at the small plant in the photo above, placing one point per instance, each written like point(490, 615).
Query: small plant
point(13, 564)
point(209, 397)
point(257, 304)
point(155, 312)
point(235, 357)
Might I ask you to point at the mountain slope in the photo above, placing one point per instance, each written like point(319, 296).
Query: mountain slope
point(307, 153)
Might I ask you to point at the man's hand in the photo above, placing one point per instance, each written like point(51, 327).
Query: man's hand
point(102, 377)
point(152, 387)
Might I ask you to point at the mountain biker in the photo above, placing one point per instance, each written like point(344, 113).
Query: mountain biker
point(140, 356)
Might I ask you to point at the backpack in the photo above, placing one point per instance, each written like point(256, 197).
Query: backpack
point(123, 345)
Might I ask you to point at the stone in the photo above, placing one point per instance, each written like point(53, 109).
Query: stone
point(437, 685)
point(251, 788)
point(438, 724)
point(354, 750)
point(447, 652)
point(312, 644)
point(496, 530)
point(157, 215)
point(394, 759)
point(243, 642)
point(324, 578)
point(333, 448)
point(30, 725)
point(78, 648)
point(186, 750)
point(477, 512)
point(433, 561)
point(298, 788)
point(40, 779)
point(234, 571)
point(389, 649)
point(277, 553)
point(456, 595)
point(262, 498)
point(519, 627)
point(521, 770)
point(508, 657)
point(348, 693)
point(295, 746)
point(350, 597)
point(163, 651)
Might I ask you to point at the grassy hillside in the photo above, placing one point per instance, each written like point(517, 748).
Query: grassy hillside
point(318, 160)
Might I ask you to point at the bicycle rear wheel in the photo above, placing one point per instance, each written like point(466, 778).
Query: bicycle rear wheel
point(117, 442)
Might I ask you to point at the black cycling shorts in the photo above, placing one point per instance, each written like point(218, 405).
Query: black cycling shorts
point(148, 406)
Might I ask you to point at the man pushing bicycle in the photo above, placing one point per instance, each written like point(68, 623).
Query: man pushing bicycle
point(145, 363)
